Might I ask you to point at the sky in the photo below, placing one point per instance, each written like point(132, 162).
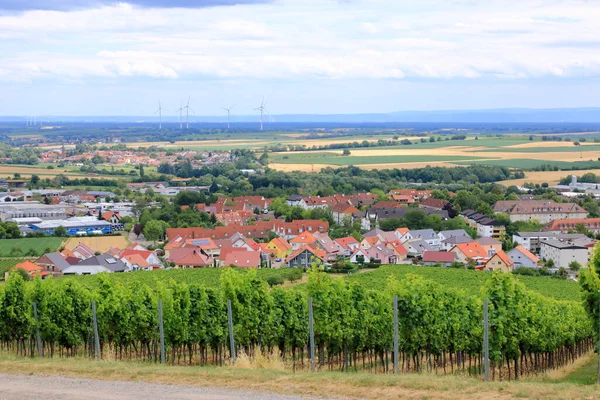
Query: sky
point(96, 57)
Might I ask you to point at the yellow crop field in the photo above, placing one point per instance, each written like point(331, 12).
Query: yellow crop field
point(99, 243)
point(550, 177)
point(9, 170)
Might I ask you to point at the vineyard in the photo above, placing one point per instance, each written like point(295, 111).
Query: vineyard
point(468, 280)
point(440, 328)
point(207, 277)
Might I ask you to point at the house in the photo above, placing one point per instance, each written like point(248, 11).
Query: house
point(279, 247)
point(381, 254)
point(114, 218)
point(570, 225)
point(485, 226)
point(400, 232)
point(296, 201)
point(32, 269)
point(399, 249)
point(150, 257)
point(348, 245)
point(359, 257)
point(190, 257)
point(417, 247)
point(467, 252)
point(449, 243)
point(374, 215)
point(427, 235)
point(532, 240)
point(369, 242)
point(453, 233)
point(290, 230)
point(86, 270)
point(387, 236)
point(373, 232)
point(523, 257)
point(302, 239)
point(442, 258)
point(416, 195)
point(53, 262)
point(304, 257)
point(83, 251)
point(341, 211)
point(562, 253)
point(243, 259)
point(332, 248)
point(436, 204)
point(135, 262)
point(104, 260)
point(544, 211)
point(500, 261)
point(490, 245)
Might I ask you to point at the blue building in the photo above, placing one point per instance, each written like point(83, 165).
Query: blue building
point(74, 226)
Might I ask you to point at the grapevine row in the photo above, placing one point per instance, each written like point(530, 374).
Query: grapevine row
point(440, 330)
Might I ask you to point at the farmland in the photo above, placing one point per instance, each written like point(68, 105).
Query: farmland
point(99, 243)
point(28, 246)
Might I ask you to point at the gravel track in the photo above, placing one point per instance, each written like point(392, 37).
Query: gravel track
point(33, 387)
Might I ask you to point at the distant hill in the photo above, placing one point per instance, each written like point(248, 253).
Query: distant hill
point(507, 115)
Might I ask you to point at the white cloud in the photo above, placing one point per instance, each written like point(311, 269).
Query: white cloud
point(295, 39)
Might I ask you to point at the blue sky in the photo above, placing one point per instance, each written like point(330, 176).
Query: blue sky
point(95, 57)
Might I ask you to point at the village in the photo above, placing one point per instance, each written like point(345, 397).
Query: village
point(247, 234)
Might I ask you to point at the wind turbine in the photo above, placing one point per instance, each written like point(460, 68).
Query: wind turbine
point(180, 116)
point(159, 112)
point(187, 113)
point(228, 114)
point(262, 110)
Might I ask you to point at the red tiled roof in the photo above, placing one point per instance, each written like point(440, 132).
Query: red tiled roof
point(503, 257)
point(281, 244)
point(318, 253)
point(439, 256)
point(471, 250)
point(304, 237)
point(527, 253)
point(243, 259)
point(435, 203)
point(345, 242)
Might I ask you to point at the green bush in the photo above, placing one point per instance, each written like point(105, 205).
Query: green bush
point(275, 280)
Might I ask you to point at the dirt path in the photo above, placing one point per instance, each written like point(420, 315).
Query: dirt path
point(33, 387)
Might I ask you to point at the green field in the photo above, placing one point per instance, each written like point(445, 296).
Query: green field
point(545, 149)
point(28, 246)
point(469, 281)
point(338, 159)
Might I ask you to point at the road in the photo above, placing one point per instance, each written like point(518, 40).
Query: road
point(32, 387)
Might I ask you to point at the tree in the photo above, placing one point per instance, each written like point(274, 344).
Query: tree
point(60, 231)
point(137, 229)
point(346, 152)
point(34, 180)
point(574, 266)
point(155, 230)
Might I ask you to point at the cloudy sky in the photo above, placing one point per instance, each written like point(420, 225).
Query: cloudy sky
point(96, 57)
